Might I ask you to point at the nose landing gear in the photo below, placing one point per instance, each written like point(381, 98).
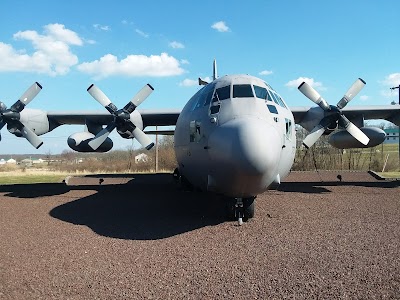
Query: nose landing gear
point(241, 209)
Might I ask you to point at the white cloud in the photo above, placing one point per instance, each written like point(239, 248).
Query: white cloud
point(296, 82)
point(60, 33)
point(191, 82)
point(265, 72)
point(52, 54)
point(220, 26)
point(392, 80)
point(133, 66)
point(141, 33)
point(184, 62)
point(176, 45)
point(91, 42)
point(364, 98)
point(102, 27)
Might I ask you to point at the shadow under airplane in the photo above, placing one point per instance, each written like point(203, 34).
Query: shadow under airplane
point(148, 206)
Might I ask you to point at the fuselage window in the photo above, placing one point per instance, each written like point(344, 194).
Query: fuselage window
point(272, 109)
point(242, 91)
point(260, 92)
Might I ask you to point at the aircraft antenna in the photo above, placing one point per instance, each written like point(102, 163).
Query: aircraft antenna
point(215, 73)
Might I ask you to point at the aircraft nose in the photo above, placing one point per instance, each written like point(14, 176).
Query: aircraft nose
point(246, 146)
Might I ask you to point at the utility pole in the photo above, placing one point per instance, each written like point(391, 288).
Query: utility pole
point(398, 136)
point(156, 151)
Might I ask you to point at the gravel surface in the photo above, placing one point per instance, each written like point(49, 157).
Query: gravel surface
point(138, 237)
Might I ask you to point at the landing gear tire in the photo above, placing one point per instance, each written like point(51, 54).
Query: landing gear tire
point(249, 208)
point(185, 184)
point(240, 209)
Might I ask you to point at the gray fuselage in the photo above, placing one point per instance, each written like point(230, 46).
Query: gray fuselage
point(235, 137)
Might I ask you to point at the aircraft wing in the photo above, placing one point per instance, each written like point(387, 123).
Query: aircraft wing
point(389, 113)
point(161, 117)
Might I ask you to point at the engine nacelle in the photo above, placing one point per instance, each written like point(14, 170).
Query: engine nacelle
point(344, 140)
point(79, 142)
point(36, 120)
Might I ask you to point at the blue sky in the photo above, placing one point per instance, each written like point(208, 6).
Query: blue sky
point(122, 45)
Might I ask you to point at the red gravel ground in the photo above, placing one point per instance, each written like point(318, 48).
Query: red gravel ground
point(138, 237)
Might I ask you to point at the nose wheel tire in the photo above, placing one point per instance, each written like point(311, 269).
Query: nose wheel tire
point(240, 209)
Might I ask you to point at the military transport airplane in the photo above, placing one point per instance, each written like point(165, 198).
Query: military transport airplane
point(235, 137)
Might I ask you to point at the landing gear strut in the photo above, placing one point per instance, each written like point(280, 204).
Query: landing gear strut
point(241, 209)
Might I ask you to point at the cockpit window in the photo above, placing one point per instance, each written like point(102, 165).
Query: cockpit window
point(281, 101)
point(269, 98)
point(277, 99)
point(260, 92)
point(242, 91)
point(208, 92)
point(222, 93)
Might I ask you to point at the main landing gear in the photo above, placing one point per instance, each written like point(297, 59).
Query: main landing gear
point(241, 209)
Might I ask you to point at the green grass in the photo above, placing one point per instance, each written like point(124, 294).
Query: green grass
point(30, 178)
point(389, 174)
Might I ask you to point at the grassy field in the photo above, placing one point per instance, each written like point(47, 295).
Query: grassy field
point(18, 177)
point(389, 174)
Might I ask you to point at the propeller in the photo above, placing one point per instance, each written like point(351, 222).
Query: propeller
point(333, 114)
point(122, 119)
point(11, 116)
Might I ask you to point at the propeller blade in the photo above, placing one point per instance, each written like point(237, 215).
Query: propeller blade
point(314, 135)
point(313, 95)
point(101, 136)
point(31, 137)
point(2, 123)
point(351, 93)
point(142, 138)
point(139, 98)
point(3, 107)
point(100, 97)
point(353, 130)
point(26, 97)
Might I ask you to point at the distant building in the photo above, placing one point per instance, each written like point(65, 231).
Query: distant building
point(392, 136)
point(2, 161)
point(32, 161)
point(12, 161)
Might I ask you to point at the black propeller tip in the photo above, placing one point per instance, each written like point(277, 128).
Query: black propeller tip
point(90, 87)
point(148, 147)
point(38, 146)
point(299, 87)
point(362, 80)
point(150, 86)
point(39, 85)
